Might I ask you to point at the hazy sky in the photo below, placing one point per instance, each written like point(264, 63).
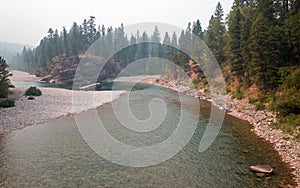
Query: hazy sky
point(27, 21)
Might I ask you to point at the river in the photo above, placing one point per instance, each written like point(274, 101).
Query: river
point(55, 155)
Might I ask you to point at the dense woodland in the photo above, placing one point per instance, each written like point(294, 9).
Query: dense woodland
point(257, 46)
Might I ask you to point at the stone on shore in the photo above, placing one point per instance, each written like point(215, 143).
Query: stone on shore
point(266, 169)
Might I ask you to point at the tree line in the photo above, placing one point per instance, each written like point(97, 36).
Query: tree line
point(255, 45)
point(80, 37)
point(262, 51)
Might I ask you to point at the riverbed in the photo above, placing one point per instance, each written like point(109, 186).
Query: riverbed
point(54, 154)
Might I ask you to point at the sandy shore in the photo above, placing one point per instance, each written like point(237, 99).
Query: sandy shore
point(19, 76)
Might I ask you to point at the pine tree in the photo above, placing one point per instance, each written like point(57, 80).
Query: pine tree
point(234, 43)
point(73, 40)
point(132, 49)
point(219, 12)
point(174, 40)
point(144, 46)
point(197, 29)
point(4, 78)
point(292, 30)
point(214, 38)
point(65, 42)
point(265, 46)
point(155, 42)
point(91, 30)
point(167, 39)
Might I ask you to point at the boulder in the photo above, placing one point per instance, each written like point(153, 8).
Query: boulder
point(262, 169)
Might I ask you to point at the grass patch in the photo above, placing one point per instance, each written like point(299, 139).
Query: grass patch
point(204, 81)
point(266, 99)
point(252, 100)
point(288, 123)
point(228, 90)
point(195, 83)
point(33, 91)
point(260, 106)
point(6, 103)
point(238, 95)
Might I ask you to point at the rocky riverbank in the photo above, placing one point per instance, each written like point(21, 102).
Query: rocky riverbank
point(58, 102)
point(285, 144)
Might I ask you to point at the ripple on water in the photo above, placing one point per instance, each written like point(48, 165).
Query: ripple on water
point(54, 154)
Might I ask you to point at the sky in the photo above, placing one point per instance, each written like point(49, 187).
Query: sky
point(27, 21)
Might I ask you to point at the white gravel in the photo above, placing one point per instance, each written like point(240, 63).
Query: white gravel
point(53, 103)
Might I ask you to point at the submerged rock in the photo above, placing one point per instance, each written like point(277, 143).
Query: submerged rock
point(260, 175)
point(262, 169)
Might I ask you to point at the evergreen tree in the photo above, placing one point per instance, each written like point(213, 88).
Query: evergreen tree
point(144, 46)
point(155, 43)
point(174, 40)
point(65, 42)
point(214, 38)
point(265, 46)
point(292, 30)
point(219, 12)
point(197, 29)
point(132, 50)
point(234, 43)
point(91, 30)
point(167, 39)
point(4, 78)
point(74, 39)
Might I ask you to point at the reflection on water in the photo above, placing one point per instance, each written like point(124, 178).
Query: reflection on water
point(55, 155)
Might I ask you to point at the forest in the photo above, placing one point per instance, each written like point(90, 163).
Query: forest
point(257, 46)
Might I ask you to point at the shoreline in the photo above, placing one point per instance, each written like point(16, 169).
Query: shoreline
point(286, 146)
point(52, 104)
point(56, 102)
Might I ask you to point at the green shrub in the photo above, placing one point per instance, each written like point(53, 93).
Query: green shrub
point(33, 91)
point(204, 81)
point(3, 89)
point(288, 102)
point(288, 123)
point(228, 90)
point(260, 106)
point(252, 100)
point(237, 95)
point(7, 103)
point(11, 86)
point(195, 83)
point(157, 80)
point(30, 98)
point(265, 99)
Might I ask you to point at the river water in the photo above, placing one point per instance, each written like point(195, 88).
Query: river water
point(55, 155)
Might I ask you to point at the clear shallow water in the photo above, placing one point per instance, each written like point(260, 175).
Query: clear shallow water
point(55, 155)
